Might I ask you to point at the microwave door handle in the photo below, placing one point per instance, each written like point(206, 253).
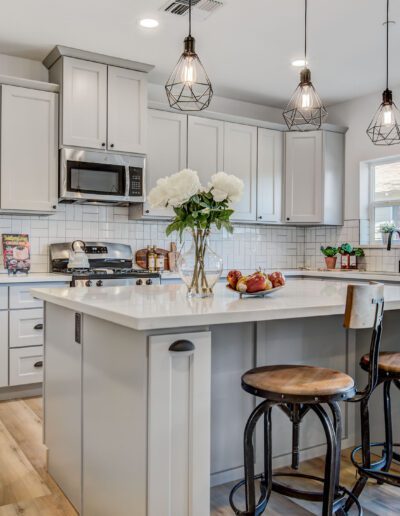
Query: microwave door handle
point(127, 181)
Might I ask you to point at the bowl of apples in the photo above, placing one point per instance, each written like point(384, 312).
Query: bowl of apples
point(258, 284)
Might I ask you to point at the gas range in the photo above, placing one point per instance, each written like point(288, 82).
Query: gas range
point(110, 264)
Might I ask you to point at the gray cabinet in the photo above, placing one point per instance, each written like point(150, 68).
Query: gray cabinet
point(314, 177)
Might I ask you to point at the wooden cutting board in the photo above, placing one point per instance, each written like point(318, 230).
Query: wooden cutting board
point(141, 257)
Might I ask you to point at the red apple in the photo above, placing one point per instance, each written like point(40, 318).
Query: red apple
point(257, 282)
point(233, 277)
point(277, 279)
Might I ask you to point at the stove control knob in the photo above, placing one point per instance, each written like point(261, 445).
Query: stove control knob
point(149, 282)
point(99, 283)
point(88, 283)
point(139, 282)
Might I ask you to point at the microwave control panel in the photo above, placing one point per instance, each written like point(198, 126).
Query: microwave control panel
point(135, 182)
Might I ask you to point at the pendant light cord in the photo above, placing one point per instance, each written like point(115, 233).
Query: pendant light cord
point(387, 44)
point(305, 33)
point(190, 17)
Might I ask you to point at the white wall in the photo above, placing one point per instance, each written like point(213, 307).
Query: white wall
point(24, 68)
point(356, 114)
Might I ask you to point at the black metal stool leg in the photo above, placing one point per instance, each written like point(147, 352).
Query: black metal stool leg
point(388, 450)
point(268, 452)
point(295, 437)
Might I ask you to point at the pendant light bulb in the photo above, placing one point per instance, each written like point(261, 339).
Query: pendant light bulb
point(305, 110)
point(384, 128)
point(188, 87)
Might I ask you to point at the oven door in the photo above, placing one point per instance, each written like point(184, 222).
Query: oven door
point(101, 177)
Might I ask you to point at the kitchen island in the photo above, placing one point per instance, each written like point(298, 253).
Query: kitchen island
point(143, 404)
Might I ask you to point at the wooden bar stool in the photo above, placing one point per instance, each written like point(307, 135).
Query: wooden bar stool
point(298, 389)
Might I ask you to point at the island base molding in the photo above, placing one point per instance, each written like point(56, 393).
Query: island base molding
point(133, 419)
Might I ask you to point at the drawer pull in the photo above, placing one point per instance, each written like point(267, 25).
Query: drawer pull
point(38, 326)
point(38, 364)
point(182, 346)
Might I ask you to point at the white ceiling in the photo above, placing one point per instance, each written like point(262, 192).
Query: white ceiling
point(246, 46)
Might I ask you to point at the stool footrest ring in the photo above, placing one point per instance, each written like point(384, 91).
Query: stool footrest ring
point(374, 470)
point(262, 502)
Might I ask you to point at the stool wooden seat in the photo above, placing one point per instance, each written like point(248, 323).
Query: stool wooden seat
point(288, 382)
point(389, 361)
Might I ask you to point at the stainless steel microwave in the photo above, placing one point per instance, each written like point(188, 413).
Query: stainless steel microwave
point(101, 177)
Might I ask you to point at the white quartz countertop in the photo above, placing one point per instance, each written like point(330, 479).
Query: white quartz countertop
point(32, 277)
point(166, 306)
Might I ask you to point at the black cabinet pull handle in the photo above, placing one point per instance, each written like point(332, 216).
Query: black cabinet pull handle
point(182, 345)
point(38, 364)
point(103, 144)
point(112, 145)
point(38, 326)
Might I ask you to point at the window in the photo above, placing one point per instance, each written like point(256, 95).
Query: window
point(384, 197)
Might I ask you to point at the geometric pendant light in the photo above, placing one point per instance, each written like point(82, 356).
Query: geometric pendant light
point(305, 110)
point(384, 127)
point(188, 87)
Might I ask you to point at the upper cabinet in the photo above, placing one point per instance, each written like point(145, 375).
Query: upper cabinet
point(167, 151)
point(314, 170)
point(102, 106)
point(28, 149)
point(269, 175)
point(240, 159)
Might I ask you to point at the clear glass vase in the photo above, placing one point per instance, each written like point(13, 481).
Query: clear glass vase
point(200, 267)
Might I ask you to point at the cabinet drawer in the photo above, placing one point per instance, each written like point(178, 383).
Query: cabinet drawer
point(21, 297)
point(26, 365)
point(26, 328)
point(3, 298)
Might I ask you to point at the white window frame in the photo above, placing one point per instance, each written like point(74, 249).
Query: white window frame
point(376, 204)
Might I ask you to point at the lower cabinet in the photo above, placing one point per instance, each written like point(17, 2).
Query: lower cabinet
point(179, 424)
point(26, 365)
point(26, 327)
point(3, 347)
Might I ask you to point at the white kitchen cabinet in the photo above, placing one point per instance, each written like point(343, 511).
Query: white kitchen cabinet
point(26, 327)
point(21, 297)
point(179, 426)
point(63, 402)
point(240, 159)
point(167, 151)
point(205, 146)
point(3, 347)
point(84, 103)
point(127, 110)
point(314, 170)
point(269, 175)
point(29, 164)
point(26, 365)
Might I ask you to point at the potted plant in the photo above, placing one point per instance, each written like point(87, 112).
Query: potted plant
point(359, 253)
point(197, 208)
point(385, 229)
point(330, 256)
point(345, 251)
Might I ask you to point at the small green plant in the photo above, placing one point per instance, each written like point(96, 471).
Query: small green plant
point(359, 252)
point(387, 227)
point(329, 251)
point(346, 249)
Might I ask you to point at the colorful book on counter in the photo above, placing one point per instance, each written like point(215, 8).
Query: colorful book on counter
point(16, 252)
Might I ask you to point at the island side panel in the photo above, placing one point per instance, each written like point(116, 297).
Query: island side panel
point(62, 400)
point(114, 419)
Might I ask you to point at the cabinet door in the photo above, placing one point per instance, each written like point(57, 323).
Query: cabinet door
point(167, 151)
point(3, 348)
point(205, 147)
point(84, 91)
point(62, 401)
point(240, 159)
point(179, 426)
point(28, 149)
point(269, 175)
point(26, 365)
point(304, 178)
point(127, 110)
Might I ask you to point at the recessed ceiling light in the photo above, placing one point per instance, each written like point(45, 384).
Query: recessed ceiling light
point(299, 62)
point(149, 23)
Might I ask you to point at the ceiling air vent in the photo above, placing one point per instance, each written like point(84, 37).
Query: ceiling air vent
point(200, 8)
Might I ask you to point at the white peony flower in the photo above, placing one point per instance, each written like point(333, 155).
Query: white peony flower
point(182, 186)
point(226, 186)
point(158, 196)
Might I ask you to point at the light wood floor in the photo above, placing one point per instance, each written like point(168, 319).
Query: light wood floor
point(27, 490)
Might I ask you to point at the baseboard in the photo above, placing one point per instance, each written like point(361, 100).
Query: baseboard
point(21, 391)
point(281, 461)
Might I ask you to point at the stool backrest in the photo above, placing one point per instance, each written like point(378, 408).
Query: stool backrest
point(364, 309)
